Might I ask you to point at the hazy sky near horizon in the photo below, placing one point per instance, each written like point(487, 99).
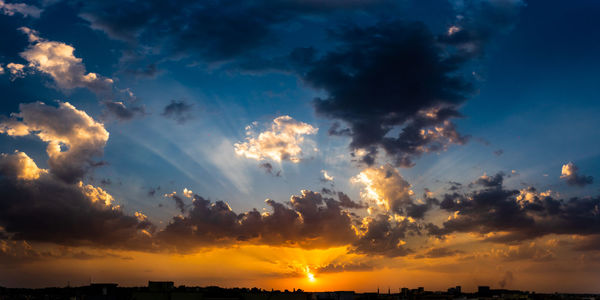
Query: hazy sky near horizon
point(322, 145)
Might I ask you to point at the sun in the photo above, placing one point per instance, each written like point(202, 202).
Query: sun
point(309, 275)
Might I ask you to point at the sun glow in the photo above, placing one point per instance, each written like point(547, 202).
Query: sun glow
point(309, 275)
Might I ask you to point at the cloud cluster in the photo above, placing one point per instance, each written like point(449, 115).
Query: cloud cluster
point(397, 85)
point(284, 141)
point(58, 61)
point(393, 85)
point(508, 215)
point(309, 220)
point(570, 173)
point(54, 205)
point(73, 137)
point(389, 76)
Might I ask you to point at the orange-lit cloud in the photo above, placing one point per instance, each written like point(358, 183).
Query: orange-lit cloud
point(57, 60)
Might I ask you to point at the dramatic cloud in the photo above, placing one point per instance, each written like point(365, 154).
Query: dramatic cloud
point(570, 173)
point(19, 165)
point(505, 215)
point(385, 77)
point(73, 137)
point(10, 9)
point(283, 141)
point(384, 235)
point(397, 85)
point(178, 111)
point(37, 206)
point(57, 60)
point(212, 31)
point(309, 220)
point(54, 205)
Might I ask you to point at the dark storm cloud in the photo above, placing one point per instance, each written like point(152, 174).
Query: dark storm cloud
point(211, 30)
point(120, 111)
point(308, 220)
point(418, 210)
point(398, 75)
point(54, 205)
point(385, 237)
point(48, 209)
point(523, 215)
point(345, 201)
point(178, 111)
point(385, 76)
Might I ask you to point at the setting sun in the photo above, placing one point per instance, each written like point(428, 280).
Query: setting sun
point(309, 275)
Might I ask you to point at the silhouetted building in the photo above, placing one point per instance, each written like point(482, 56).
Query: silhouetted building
point(454, 290)
point(483, 291)
point(160, 286)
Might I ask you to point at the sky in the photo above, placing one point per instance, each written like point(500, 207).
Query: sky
point(321, 145)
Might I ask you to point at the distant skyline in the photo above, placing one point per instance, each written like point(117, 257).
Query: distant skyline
point(321, 145)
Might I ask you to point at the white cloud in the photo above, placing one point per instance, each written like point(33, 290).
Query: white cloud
point(283, 141)
point(57, 60)
point(326, 177)
point(10, 9)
